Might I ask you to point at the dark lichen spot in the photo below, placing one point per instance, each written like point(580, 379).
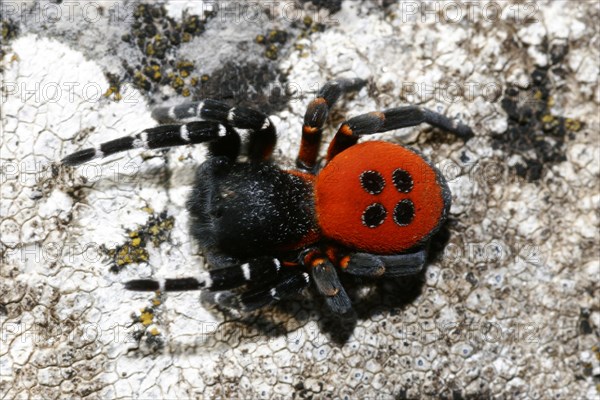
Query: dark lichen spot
point(471, 279)
point(585, 327)
point(157, 38)
point(258, 86)
point(10, 30)
point(332, 5)
point(533, 132)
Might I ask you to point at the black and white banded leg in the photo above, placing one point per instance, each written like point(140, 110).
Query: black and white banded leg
point(154, 138)
point(286, 286)
point(256, 270)
point(395, 118)
point(373, 265)
point(263, 135)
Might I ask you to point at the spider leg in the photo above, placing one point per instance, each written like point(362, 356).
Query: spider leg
point(315, 117)
point(286, 286)
point(154, 138)
point(261, 140)
point(255, 270)
point(395, 118)
point(327, 282)
point(373, 265)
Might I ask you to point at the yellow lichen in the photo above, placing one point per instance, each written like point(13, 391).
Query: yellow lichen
point(271, 52)
point(154, 230)
point(146, 317)
point(109, 91)
point(134, 251)
point(572, 124)
point(150, 49)
point(177, 83)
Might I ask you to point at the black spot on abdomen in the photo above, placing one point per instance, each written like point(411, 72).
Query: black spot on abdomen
point(372, 181)
point(402, 180)
point(404, 212)
point(374, 215)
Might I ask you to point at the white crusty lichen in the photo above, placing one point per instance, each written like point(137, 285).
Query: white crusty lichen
point(509, 307)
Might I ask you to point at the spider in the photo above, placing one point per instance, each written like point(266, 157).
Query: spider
point(369, 211)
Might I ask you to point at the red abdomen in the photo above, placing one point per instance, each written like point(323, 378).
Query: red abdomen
point(380, 198)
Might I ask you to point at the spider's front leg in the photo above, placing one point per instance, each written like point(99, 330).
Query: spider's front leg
point(316, 115)
point(327, 281)
point(395, 118)
point(374, 265)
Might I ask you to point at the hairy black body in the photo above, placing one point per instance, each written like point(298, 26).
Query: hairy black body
point(249, 209)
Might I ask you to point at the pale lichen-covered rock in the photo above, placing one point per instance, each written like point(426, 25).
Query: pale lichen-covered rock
point(508, 307)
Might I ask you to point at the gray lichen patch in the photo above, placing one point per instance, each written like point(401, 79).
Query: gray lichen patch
point(246, 85)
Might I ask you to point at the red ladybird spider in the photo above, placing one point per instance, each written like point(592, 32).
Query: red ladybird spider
point(370, 211)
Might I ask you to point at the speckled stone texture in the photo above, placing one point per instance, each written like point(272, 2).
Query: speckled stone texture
point(508, 306)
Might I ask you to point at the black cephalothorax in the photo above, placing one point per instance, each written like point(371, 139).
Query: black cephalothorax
point(250, 209)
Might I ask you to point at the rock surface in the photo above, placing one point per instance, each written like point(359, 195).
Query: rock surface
point(507, 309)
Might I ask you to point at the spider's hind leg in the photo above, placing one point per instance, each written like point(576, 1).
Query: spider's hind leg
point(395, 118)
point(328, 282)
point(286, 286)
point(262, 138)
point(373, 265)
point(154, 138)
point(230, 277)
